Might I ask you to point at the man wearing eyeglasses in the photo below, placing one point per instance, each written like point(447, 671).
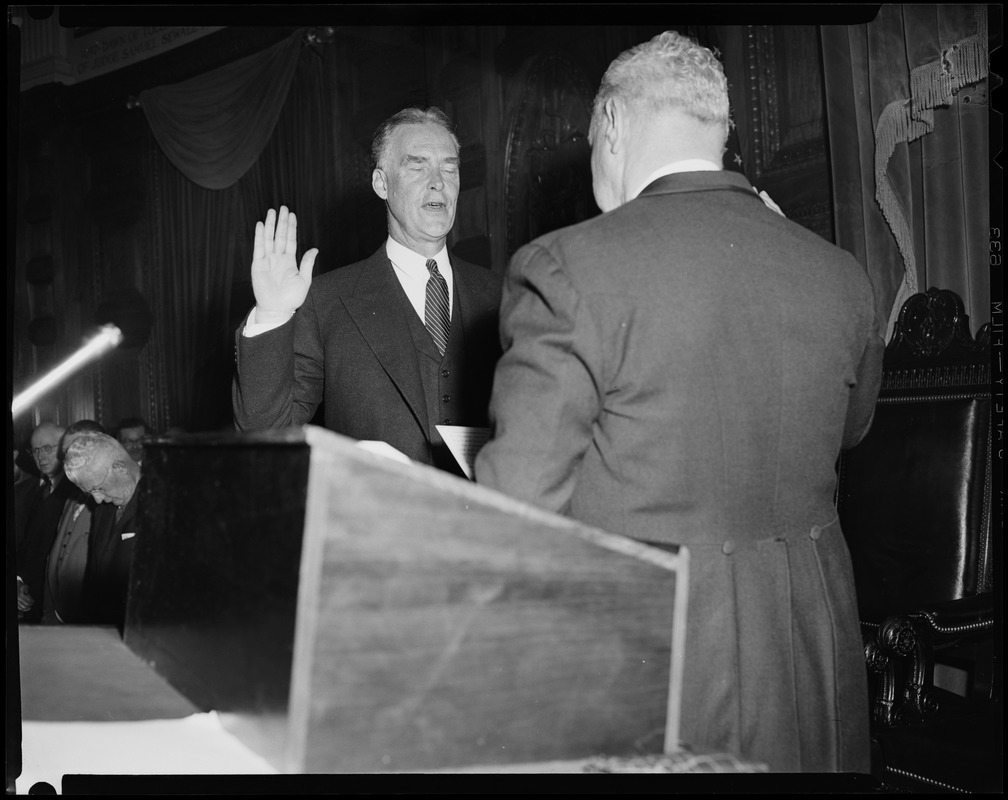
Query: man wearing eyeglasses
point(41, 518)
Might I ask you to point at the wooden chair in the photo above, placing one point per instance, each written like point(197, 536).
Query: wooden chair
point(914, 499)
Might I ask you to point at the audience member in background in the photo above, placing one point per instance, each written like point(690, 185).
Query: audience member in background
point(26, 484)
point(100, 466)
point(63, 595)
point(131, 433)
point(19, 474)
point(42, 517)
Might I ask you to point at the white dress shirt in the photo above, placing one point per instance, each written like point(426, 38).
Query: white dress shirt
point(686, 165)
point(411, 270)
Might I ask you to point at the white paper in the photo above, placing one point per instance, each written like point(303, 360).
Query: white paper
point(194, 745)
point(464, 443)
point(383, 449)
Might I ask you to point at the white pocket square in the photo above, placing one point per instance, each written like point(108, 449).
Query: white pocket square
point(129, 535)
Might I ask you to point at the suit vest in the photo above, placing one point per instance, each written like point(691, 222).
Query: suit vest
point(442, 380)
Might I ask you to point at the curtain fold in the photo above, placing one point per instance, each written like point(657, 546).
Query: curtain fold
point(200, 243)
point(214, 126)
point(907, 114)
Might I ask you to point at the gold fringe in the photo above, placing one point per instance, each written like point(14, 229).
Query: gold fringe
point(962, 64)
point(906, 119)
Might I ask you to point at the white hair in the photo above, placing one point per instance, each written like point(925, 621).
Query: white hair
point(670, 71)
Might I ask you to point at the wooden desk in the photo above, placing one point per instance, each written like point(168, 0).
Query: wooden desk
point(90, 706)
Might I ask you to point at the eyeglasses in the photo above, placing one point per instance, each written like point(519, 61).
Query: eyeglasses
point(100, 487)
point(48, 449)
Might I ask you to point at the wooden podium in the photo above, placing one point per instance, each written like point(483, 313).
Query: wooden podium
point(344, 612)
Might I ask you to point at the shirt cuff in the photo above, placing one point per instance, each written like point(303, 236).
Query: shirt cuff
point(253, 328)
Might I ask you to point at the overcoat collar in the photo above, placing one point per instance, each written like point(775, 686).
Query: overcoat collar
point(701, 181)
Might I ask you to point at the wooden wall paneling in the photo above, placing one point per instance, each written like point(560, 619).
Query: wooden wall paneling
point(786, 143)
point(548, 174)
point(494, 143)
point(386, 72)
point(457, 85)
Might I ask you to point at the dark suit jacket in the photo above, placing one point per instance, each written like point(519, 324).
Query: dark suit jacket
point(42, 520)
point(686, 369)
point(349, 348)
point(25, 492)
point(106, 577)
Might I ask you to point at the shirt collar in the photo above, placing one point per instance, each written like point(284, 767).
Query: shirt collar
point(686, 165)
point(411, 262)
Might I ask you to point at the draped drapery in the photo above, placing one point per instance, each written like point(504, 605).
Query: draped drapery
point(213, 127)
point(906, 98)
point(200, 239)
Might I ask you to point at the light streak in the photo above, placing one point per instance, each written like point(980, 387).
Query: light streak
point(109, 336)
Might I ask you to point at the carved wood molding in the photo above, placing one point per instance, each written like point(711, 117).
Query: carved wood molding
point(548, 172)
point(776, 145)
point(934, 325)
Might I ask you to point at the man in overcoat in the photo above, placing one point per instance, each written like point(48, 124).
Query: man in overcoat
point(685, 368)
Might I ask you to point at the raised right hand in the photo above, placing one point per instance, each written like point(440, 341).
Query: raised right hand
point(280, 287)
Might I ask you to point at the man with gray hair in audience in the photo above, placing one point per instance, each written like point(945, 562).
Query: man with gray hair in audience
point(101, 467)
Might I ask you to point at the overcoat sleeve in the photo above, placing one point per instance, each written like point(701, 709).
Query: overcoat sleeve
point(546, 393)
point(867, 380)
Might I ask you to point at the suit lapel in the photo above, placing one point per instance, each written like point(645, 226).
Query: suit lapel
point(376, 308)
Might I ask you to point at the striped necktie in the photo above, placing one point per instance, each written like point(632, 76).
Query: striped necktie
point(437, 317)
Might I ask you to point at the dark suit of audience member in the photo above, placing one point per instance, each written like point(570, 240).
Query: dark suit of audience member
point(41, 515)
point(25, 492)
point(355, 340)
point(684, 369)
point(40, 532)
point(63, 594)
point(106, 579)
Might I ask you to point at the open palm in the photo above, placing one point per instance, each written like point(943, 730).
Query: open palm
point(280, 286)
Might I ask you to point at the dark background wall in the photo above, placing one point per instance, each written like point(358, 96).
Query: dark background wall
point(520, 95)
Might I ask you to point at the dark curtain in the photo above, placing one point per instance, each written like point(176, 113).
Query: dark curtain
point(201, 238)
point(907, 116)
point(213, 127)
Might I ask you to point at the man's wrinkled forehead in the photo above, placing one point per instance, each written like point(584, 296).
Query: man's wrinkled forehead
point(419, 140)
point(46, 436)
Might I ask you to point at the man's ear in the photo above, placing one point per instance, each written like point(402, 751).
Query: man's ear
point(613, 124)
point(379, 182)
point(119, 466)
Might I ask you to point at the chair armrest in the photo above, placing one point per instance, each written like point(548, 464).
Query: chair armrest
point(903, 653)
point(951, 621)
